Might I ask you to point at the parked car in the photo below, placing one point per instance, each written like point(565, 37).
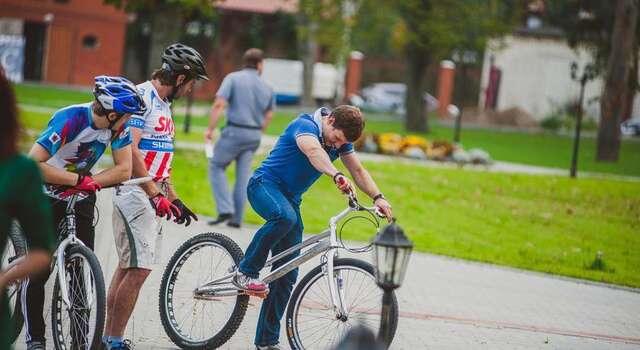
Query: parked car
point(631, 127)
point(387, 97)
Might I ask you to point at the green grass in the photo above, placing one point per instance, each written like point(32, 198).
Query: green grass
point(542, 223)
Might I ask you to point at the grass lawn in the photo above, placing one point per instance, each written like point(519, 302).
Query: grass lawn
point(520, 147)
point(541, 223)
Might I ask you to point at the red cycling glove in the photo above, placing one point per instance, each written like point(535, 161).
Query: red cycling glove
point(85, 184)
point(343, 183)
point(164, 207)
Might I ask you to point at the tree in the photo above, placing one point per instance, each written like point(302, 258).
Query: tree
point(615, 90)
point(611, 33)
point(167, 20)
point(431, 30)
point(320, 25)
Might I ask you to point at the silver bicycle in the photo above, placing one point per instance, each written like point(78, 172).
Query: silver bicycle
point(79, 302)
point(201, 309)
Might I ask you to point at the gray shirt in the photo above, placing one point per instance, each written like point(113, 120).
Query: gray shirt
point(248, 97)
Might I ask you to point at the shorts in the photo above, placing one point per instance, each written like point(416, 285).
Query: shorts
point(135, 227)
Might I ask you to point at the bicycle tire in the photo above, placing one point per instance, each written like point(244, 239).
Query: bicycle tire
point(315, 275)
point(167, 288)
point(57, 305)
point(19, 244)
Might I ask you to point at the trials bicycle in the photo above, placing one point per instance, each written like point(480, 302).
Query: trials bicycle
point(200, 307)
point(79, 302)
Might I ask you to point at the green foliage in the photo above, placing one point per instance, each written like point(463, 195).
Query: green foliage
point(188, 6)
point(447, 25)
point(323, 22)
point(563, 117)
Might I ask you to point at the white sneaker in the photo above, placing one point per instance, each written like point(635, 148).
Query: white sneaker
point(245, 282)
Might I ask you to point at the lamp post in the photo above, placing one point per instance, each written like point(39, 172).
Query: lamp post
point(391, 252)
point(588, 73)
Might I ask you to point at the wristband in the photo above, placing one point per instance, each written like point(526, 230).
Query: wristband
point(378, 196)
point(336, 175)
point(80, 177)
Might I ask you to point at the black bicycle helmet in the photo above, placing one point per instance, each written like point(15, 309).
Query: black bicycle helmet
point(181, 58)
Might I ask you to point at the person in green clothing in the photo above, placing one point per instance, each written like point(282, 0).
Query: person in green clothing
point(21, 199)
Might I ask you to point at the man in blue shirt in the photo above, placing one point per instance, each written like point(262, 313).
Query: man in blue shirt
point(302, 154)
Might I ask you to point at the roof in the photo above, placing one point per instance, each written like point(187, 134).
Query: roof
point(258, 6)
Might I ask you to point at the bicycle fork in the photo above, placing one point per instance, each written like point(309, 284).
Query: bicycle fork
point(334, 278)
point(60, 259)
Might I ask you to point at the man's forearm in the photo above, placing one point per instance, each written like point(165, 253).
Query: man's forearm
point(320, 160)
point(215, 115)
point(365, 182)
point(139, 170)
point(113, 175)
point(57, 176)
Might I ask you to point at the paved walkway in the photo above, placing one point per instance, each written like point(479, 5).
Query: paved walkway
point(444, 303)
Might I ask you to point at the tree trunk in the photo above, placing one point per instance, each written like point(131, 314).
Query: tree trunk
point(417, 62)
point(618, 64)
point(309, 51)
point(632, 87)
point(166, 29)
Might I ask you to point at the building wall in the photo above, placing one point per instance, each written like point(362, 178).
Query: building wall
point(66, 60)
point(536, 75)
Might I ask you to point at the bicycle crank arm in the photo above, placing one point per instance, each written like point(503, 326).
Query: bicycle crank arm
point(223, 290)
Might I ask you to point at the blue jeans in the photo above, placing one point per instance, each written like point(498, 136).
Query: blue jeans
point(282, 230)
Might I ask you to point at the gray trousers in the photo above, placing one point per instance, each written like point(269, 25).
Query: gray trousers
point(239, 145)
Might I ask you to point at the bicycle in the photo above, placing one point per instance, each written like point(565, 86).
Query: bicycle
point(77, 309)
point(350, 297)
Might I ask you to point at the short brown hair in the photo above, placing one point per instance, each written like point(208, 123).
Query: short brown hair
point(10, 130)
point(169, 78)
point(252, 57)
point(350, 120)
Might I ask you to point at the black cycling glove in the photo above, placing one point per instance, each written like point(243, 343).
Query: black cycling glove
point(185, 213)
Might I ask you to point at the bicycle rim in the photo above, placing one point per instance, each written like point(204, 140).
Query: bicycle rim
point(13, 290)
point(315, 323)
point(79, 325)
point(197, 320)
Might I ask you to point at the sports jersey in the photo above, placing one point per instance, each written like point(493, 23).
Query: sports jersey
point(156, 142)
point(74, 143)
point(288, 165)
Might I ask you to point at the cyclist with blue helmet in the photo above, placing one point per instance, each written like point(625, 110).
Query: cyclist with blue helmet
point(66, 152)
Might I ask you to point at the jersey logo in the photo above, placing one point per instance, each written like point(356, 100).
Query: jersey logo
point(54, 138)
point(165, 125)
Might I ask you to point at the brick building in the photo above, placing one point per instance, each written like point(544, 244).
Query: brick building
point(66, 41)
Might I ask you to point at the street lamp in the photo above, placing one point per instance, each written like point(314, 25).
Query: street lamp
point(391, 252)
point(588, 73)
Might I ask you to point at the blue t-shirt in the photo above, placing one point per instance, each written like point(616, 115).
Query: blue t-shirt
point(288, 166)
point(73, 141)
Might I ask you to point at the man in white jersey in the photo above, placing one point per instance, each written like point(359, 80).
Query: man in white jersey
point(66, 152)
point(136, 207)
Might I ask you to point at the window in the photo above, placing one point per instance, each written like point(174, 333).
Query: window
point(90, 41)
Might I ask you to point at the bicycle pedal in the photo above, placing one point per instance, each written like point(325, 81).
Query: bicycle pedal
point(261, 295)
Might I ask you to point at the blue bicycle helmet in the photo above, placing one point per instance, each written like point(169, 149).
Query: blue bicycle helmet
point(119, 95)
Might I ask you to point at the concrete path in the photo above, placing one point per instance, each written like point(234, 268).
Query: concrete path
point(445, 303)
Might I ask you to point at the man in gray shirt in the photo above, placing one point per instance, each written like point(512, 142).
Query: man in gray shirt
point(250, 102)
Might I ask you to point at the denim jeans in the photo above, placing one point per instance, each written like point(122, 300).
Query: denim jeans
point(283, 229)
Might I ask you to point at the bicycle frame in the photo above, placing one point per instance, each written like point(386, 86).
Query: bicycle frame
point(223, 287)
point(72, 239)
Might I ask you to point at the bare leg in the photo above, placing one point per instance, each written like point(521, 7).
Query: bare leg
point(125, 299)
point(116, 280)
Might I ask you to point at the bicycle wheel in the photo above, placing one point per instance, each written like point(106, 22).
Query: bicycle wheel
point(311, 320)
point(193, 323)
point(15, 248)
point(80, 324)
